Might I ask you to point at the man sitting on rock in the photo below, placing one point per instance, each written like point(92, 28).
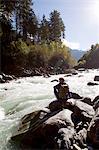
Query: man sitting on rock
point(61, 90)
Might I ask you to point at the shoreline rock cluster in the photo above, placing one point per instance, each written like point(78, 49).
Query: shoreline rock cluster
point(46, 72)
point(70, 125)
point(6, 78)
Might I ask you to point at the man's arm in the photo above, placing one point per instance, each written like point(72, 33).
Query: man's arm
point(69, 93)
point(56, 91)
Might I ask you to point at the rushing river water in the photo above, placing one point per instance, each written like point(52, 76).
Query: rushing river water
point(25, 95)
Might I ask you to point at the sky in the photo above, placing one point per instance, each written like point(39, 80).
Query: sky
point(80, 17)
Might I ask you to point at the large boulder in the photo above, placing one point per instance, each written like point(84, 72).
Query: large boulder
point(62, 125)
point(55, 105)
point(46, 130)
point(31, 120)
point(82, 111)
point(87, 100)
point(61, 128)
point(59, 105)
point(96, 102)
point(93, 130)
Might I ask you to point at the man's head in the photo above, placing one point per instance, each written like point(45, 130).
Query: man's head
point(61, 80)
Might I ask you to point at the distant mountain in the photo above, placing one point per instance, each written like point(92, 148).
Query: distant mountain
point(77, 54)
point(90, 59)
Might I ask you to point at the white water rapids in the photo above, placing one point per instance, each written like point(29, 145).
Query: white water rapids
point(25, 95)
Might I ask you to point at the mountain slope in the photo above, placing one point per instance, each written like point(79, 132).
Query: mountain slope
point(90, 59)
point(77, 54)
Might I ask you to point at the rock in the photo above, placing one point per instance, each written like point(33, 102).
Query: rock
point(92, 84)
point(68, 75)
point(31, 119)
point(55, 105)
point(55, 80)
point(87, 100)
point(68, 71)
point(2, 80)
point(81, 125)
point(96, 99)
point(74, 73)
point(85, 110)
point(96, 102)
point(76, 147)
point(80, 137)
point(93, 130)
point(75, 95)
point(61, 119)
point(29, 72)
point(61, 127)
point(80, 76)
point(5, 78)
point(45, 133)
point(37, 73)
point(65, 137)
point(81, 69)
point(96, 78)
point(96, 105)
point(81, 111)
point(59, 105)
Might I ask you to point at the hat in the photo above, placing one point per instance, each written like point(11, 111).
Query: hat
point(61, 79)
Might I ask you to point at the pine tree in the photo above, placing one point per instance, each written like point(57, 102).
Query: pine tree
point(26, 21)
point(32, 27)
point(8, 7)
point(57, 27)
point(44, 30)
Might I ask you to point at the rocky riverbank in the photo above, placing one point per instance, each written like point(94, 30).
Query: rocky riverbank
point(71, 125)
point(6, 78)
point(45, 72)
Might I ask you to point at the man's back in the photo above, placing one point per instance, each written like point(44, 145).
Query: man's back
point(63, 91)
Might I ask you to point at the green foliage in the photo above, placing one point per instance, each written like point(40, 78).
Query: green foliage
point(21, 47)
point(90, 59)
point(36, 57)
point(60, 58)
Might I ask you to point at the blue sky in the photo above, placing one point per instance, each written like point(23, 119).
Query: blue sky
point(81, 19)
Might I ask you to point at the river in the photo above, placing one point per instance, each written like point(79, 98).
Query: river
point(22, 96)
